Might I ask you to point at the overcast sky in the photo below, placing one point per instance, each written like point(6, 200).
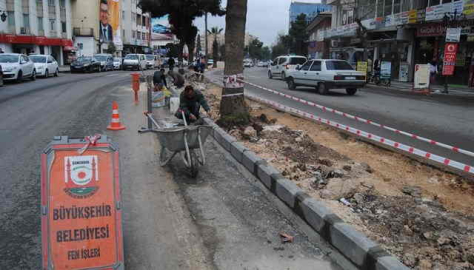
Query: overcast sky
point(265, 19)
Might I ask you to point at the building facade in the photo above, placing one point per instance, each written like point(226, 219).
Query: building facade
point(318, 48)
point(404, 33)
point(310, 9)
point(129, 27)
point(37, 26)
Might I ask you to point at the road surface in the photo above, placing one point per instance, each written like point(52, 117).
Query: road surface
point(224, 219)
point(445, 119)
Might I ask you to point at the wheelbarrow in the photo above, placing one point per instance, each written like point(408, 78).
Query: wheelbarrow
point(187, 141)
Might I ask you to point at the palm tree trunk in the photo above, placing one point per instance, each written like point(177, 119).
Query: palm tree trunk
point(233, 102)
point(191, 52)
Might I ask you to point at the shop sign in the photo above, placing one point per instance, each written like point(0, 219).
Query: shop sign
point(470, 38)
point(422, 76)
point(449, 62)
point(437, 12)
point(430, 30)
point(468, 7)
point(362, 67)
point(369, 24)
point(389, 21)
point(458, 7)
point(453, 34)
point(412, 16)
point(403, 73)
point(385, 70)
point(420, 15)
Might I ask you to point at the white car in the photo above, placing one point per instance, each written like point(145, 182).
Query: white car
point(117, 63)
point(325, 74)
point(17, 66)
point(283, 64)
point(45, 65)
point(134, 61)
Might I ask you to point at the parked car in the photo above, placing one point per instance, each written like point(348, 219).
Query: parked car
point(1, 76)
point(261, 64)
point(248, 63)
point(85, 64)
point(45, 65)
point(283, 64)
point(106, 61)
point(325, 74)
point(118, 63)
point(134, 61)
point(152, 61)
point(17, 66)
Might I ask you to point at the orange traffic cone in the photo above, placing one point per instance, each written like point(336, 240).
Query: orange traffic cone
point(115, 123)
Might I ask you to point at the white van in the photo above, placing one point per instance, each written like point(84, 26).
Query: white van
point(134, 61)
point(282, 64)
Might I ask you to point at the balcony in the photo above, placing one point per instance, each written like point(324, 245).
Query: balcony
point(83, 32)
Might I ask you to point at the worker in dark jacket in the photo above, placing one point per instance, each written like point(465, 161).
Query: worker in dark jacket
point(159, 78)
point(190, 102)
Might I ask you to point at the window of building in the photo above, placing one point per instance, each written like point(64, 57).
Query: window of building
point(123, 33)
point(26, 20)
point(11, 18)
point(51, 3)
point(62, 3)
point(387, 7)
point(133, 34)
point(434, 3)
point(144, 21)
point(123, 14)
point(380, 8)
point(396, 6)
point(143, 36)
point(139, 19)
point(63, 27)
point(134, 18)
point(52, 24)
point(40, 24)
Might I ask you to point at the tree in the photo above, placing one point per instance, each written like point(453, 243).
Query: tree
point(284, 45)
point(298, 35)
point(233, 107)
point(111, 48)
point(181, 16)
point(172, 50)
point(215, 45)
point(198, 45)
point(255, 49)
point(222, 51)
point(266, 53)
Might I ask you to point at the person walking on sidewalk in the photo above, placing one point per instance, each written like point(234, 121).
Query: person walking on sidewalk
point(433, 71)
point(190, 102)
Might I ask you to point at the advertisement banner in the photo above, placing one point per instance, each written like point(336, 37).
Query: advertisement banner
point(412, 16)
point(449, 62)
point(385, 70)
point(468, 8)
point(453, 34)
point(362, 67)
point(403, 72)
point(422, 76)
point(160, 29)
point(110, 30)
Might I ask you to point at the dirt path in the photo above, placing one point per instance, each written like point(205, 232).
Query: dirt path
point(418, 213)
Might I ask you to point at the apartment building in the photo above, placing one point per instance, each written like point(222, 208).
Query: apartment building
point(110, 26)
point(37, 26)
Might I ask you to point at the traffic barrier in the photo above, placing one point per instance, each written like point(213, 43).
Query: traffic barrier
point(403, 147)
point(366, 121)
point(115, 122)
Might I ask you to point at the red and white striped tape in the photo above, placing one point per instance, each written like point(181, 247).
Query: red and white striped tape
point(406, 148)
point(366, 121)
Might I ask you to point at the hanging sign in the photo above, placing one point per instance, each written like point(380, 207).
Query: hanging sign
point(80, 203)
point(385, 70)
point(449, 62)
point(453, 34)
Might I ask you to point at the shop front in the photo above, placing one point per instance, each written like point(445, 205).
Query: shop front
point(430, 43)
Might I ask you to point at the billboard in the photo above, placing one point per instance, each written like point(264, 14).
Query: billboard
point(109, 22)
point(160, 29)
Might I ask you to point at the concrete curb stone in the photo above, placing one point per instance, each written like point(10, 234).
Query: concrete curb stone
point(360, 250)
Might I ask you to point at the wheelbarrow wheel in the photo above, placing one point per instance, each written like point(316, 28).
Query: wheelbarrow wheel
point(194, 168)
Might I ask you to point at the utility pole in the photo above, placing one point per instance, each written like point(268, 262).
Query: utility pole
point(205, 37)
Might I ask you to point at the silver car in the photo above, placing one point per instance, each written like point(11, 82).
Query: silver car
point(17, 66)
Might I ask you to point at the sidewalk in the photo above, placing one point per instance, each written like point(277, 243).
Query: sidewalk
point(436, 89)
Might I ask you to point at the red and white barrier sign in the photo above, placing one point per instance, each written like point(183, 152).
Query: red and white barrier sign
point(81, 219)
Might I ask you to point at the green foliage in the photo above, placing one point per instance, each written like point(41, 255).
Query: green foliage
point(255, 49)
point(294, 42)
point(233, 120)
point(266, 53)
point(198, 45)
point(111, 48)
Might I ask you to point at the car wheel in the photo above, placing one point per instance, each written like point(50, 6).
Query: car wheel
point(33, 76)
point(56, 74)
point(351, 91)
point(19, 77)
point(291, 83)
point(283, 76)
point(322, 89)
point(270, 75)
point(46, 74)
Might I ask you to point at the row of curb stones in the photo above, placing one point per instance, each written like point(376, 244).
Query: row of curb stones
point(361, 251)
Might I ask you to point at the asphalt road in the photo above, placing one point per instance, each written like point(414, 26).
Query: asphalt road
point(223, 220)
point(446, 119)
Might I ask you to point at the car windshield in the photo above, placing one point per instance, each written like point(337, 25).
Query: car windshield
point(8, 58)
point(338, 65)
point(117, 59)
point(84, 59)
point(38, 59)
point(150, 57)
point(297, 60)
point(131, 56)
point(101, 57)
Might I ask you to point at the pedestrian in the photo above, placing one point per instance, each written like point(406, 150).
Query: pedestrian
point(433, 71)
point(159, 77)
point(171, 63)
point(190, 102)
point(178, 79)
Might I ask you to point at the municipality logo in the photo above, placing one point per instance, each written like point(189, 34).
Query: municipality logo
point(80, 175)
